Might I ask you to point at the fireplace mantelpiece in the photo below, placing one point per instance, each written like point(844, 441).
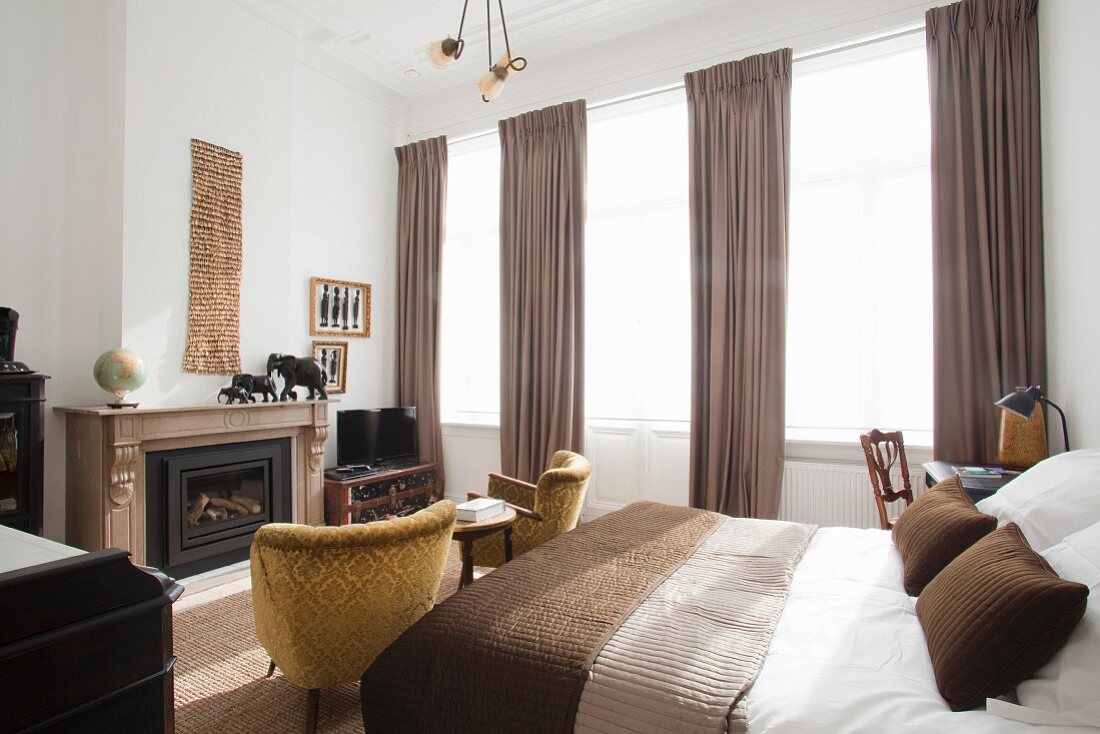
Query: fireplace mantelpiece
point(105, 460)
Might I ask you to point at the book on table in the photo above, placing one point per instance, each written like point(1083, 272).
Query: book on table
point(978, 471)
point(479, 509)
point(985, 471)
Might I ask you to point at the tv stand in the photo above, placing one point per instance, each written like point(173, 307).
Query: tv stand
point(400, 488)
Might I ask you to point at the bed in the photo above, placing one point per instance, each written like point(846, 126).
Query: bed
point(756, 626)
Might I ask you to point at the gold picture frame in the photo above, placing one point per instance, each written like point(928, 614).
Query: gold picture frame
point(333, 357)
point(339, 308)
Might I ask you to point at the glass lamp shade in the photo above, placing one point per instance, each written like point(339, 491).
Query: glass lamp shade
point(492, 83)
point(441, 53)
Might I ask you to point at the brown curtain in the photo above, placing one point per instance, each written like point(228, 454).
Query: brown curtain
point(988, 312)
point(421, 208)
point(739, 117)
point(542, 208)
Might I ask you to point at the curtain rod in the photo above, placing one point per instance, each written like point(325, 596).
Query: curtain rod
point(804, 56)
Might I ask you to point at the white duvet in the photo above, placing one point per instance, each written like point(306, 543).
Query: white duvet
point(849, 655)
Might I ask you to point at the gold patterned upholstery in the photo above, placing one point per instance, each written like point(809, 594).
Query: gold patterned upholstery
point(558, 498)
point(328, 600)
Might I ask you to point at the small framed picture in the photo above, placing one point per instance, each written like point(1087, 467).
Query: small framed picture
point(339, 308)
point(333, 357)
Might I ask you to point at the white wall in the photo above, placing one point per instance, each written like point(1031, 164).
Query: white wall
point(204, 69)
point(101, 99)
point(61, 79)
point(344, 224)
point(319, 192)
point(1070, 81)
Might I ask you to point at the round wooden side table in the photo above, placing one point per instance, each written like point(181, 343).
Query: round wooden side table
point(467, 532)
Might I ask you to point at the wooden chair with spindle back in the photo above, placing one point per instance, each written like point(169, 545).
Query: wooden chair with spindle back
point(882, 449)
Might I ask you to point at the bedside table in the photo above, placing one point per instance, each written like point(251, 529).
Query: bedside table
point(978, 488)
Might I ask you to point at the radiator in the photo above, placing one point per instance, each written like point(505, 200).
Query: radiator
point(836, 494)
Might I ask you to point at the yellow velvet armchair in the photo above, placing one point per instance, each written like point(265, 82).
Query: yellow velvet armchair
point(554, 506)
point(328, 600)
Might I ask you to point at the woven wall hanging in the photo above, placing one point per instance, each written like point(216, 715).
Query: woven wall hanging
point(214, 303)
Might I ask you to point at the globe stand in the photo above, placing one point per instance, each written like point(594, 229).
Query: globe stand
point(119, 404)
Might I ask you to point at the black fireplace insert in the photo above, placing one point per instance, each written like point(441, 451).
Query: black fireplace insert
point(203, 504)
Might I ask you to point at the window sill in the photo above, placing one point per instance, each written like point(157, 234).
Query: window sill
point(824, 445)
point(476, 420)
point(802, 449)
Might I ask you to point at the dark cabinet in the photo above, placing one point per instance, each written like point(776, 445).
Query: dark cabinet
point(22, 415)
point(86, 645)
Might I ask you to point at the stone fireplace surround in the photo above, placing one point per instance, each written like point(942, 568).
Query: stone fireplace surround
point(105, 460)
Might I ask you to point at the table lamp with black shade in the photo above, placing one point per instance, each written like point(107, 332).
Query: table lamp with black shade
point(1022, 403)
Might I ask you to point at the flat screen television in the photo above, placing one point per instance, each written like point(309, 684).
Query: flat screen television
point(375, 436)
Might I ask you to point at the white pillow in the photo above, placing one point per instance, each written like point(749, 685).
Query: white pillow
point(1051, 500)
point(1070, 683)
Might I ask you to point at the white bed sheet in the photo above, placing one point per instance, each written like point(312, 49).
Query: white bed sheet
point(849, 655)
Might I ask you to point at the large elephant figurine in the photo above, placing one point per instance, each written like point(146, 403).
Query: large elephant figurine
point(257, 385)
point(304, 371)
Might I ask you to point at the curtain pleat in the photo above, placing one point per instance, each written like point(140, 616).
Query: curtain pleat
point(988, 294)
point(542, 213)
point(739, 117)
point(421, 212)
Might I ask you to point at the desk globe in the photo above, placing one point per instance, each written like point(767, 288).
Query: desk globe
point(119, 371)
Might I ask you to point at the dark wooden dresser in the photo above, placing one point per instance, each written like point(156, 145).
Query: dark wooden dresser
point(85, 641)
point(401, 490)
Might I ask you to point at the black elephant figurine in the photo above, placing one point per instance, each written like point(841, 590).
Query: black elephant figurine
point(257, 385)
point(235, 393)
point(304, 371)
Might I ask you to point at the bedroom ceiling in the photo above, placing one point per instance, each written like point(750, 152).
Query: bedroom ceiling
point(386, 39)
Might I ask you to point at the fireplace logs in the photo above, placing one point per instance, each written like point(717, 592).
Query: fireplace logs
point(232, 507)
point(204, 509)
point(195, 510)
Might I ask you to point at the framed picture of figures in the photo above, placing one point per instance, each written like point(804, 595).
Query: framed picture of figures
point(333, 357)
point(338, 308)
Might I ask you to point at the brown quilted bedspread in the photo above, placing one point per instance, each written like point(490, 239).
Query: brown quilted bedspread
point(511, 652)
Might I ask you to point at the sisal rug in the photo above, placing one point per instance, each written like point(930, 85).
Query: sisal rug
point(220, 666)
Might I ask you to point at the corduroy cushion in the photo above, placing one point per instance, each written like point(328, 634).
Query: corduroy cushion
point(935, 529)
point(994, 616)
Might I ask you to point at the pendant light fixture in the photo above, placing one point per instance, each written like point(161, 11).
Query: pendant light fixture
point(442, 53)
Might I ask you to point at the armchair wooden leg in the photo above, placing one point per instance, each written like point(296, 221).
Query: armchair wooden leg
point(313, 701)
point(270, 669)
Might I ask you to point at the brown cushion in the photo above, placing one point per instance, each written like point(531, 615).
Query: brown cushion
point(994, 616)
point(935, 529)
